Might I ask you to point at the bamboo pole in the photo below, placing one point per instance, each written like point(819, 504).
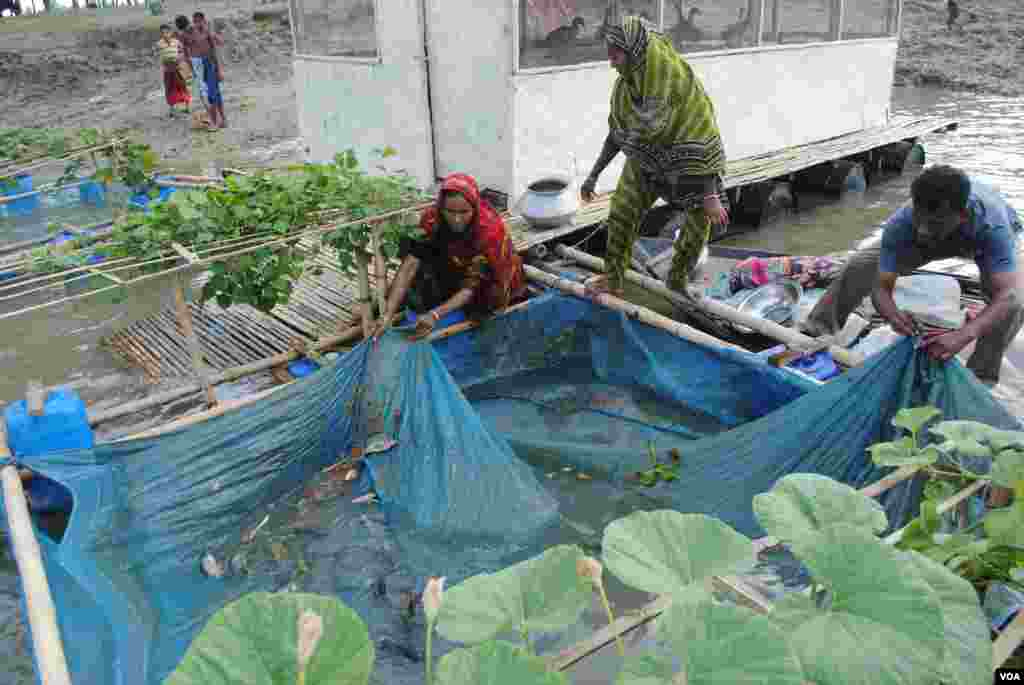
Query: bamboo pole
point(51, 663)
point(1008, 641)
point(790, 337)
point(943, 507)
point(633, 311)
point(185, 321)
point(6, 199)
point(365, 301)
point(47, 159)
point(380, 269)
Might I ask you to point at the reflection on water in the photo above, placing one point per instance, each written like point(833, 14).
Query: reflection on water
point(62, 345)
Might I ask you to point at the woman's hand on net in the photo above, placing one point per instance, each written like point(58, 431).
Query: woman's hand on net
point(599, 285)
point(380, 327)
point(717, 214)
point(424, 327)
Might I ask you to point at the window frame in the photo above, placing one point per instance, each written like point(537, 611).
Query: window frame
point(293, 8)
point(518, 70)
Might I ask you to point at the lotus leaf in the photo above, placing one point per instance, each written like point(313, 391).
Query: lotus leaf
point(914, 419)
point(1008, 467)
point(966, 437)
point(541, 594)
point(725, 643)
point(902, 452)
point(968, 657)
point(1006, 526)
point(253, 641)
point(884, 624)
point(495, 663)
point(646, 670)
point(1001, 440)
point(803, 503)
point(664, 551)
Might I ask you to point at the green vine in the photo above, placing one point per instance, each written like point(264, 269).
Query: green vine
point(249, 210)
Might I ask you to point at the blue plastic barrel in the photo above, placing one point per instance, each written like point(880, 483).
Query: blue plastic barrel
point(24, 206)
point(64, 425)
point(92, 193)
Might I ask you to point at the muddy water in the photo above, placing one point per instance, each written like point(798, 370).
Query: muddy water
point(63, 345)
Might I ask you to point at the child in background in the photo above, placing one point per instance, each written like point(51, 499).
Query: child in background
point(184, 33)
point(170, 52)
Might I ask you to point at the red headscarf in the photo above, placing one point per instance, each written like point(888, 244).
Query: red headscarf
point(488, 258)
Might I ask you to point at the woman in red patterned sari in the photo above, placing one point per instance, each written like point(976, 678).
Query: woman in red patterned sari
point(463, 260)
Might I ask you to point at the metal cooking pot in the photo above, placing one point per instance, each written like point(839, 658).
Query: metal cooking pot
point(549, 202)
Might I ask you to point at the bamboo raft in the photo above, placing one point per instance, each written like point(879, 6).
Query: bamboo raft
point(326, 304)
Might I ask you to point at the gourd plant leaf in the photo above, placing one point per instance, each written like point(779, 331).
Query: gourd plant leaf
point(253, 641)
point(495, 663)
point(541, 594)
point(914, 419)
point(884, 625)
point(664, 551)
point(965, 437)
point(803, 503)
point(919, 533)
point(1008, 467)
point(725, 643)
point(968, 654)
point(902, 453)
point(1006, 526)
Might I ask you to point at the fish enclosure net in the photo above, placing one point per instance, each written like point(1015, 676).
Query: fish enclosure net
point(465, 440)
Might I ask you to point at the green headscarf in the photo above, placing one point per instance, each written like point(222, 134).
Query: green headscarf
point(660, 115)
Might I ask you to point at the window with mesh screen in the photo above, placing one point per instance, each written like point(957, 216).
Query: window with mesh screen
point(335, 28)
point(799, 21)
point(869, 19)
point(556, 33)
point(719, 25)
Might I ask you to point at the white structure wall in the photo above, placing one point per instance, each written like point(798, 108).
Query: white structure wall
point(765, 100)
point(508, 128)
point(368, 104)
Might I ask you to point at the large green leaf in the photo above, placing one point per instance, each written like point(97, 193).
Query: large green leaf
point(541, 594)
point(495, 663)
point(902, 453)
point(968, 655)
point(1008, 467)
point(725, 643)
point(649, 669)
point(884, 625)
point(914, 419)
point(253, 641)
point(803, 503)
point(966, 437)
point(1002, 439)
point(664, 551)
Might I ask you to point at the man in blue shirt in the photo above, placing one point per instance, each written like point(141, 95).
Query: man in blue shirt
point(950, 215)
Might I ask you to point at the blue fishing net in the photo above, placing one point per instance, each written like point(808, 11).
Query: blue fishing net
point(483, 427)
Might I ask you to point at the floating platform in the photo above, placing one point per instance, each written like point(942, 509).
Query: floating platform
point(326, 304)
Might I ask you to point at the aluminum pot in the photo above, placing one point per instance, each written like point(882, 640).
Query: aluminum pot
point(549, 202)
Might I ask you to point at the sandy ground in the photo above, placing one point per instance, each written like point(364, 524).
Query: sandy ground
point(984, 53)
point(85, 70)
point(77, 71)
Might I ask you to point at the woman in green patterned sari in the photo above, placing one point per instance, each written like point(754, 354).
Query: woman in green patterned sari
point(664, 122)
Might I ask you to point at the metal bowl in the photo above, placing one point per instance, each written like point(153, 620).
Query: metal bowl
point(772, 301)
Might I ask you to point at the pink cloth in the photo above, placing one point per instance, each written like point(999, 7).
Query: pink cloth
point(551, 13)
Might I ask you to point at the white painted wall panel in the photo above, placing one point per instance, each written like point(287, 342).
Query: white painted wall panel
point(765, 101)
point(470, 46)
point(345, 104)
